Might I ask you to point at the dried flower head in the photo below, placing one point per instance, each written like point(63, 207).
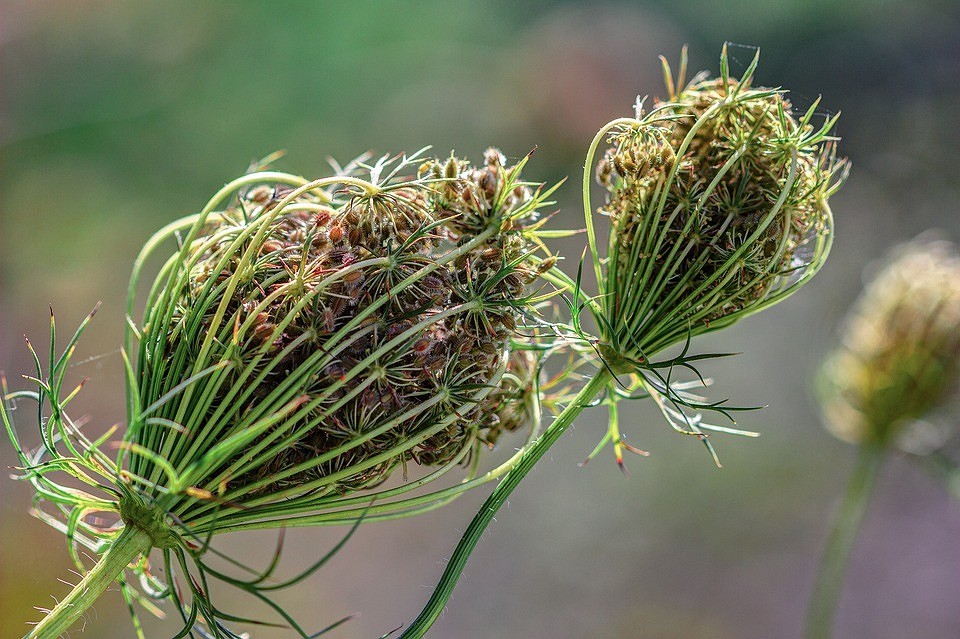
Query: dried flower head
point(303, 341)
point(717, 200)
point(377, 325)
point(899, 357)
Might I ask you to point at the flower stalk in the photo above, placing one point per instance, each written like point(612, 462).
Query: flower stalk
point(843, 536)
point(471, 536)
point(130, 543)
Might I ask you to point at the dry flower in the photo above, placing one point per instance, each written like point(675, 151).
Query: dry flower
point(304, 340)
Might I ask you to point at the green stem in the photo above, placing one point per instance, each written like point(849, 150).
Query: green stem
point(131, 542)
point(482, 519)
point(836, 557)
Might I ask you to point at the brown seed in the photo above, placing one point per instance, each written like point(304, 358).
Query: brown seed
point(336, 234)
point(463, 343)
point(432, 283)
point(329, 320)
point(263, 330)
point(435, 363)
point(423, 346)
point(547, 264)
point(488, 182)
point(270, 246)
point(320, 239)
point(512, 283)
point(399, 327)
point(353, 278)
point(491, 255)
point(260, 195)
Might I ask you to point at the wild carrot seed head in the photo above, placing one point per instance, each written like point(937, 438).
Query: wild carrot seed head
point(717, 200)
point(339, 332)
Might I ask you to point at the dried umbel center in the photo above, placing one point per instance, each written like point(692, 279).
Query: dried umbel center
point(899, 357)
point(718, 206)
point(332, 332)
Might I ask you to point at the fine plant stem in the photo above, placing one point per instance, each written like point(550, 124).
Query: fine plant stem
point(129, 544)
point(836, 557)
point(491, 506)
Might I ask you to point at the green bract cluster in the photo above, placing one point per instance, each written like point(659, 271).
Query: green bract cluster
point(900, 352)
point(717, 200)
point(331, 332)
point(302, 341)
point(351, 330)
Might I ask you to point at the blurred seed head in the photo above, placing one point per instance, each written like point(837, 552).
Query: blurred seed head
point(899, 356)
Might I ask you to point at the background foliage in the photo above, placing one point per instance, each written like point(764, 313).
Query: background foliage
point(118, 117)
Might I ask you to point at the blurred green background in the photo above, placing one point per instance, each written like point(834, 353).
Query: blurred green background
point(117, 117)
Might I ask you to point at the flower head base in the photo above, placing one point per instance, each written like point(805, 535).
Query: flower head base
point(718, 205)
point(899, 357)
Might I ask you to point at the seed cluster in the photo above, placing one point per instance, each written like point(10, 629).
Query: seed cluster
point(900, 353)
point(715, 197)
point(390, 310)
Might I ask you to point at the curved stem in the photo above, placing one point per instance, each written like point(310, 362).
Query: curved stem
point(482, 519)
point(129, 544)
point(836, 556)
point(585, 192)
